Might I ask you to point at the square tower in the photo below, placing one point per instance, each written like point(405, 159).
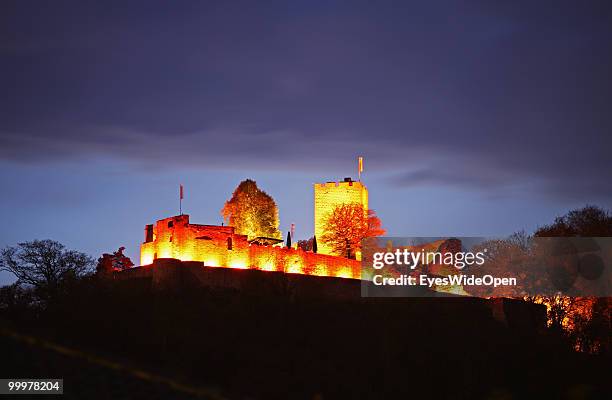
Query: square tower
point(328, 196)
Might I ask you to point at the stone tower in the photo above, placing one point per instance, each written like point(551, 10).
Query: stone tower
point(331, 194)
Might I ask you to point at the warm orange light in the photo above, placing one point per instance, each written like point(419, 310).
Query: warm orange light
point(186, 256)
point(238, 263)
point(267, 266)
point(165, 252)
point(211, 262)
point(344, 272)
point(220, 247)
point(321, 271)
point(146, 258)
point(294, 264)
point(330, 195)
point(294, 268)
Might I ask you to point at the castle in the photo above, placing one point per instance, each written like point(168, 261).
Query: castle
point(220, 246)
point(177, 254)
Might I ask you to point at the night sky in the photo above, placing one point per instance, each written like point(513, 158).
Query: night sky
point(474, 118)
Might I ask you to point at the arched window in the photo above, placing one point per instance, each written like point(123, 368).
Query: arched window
point(229, 243)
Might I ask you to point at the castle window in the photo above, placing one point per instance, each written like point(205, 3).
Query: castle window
point(229, 243)
point(170, 224)
point(148, 233)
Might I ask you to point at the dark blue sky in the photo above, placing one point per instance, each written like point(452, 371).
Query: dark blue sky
point(474, 118)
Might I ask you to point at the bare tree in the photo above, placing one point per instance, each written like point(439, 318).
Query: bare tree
point(589, 221)
point(307, 244)
point(44, 264)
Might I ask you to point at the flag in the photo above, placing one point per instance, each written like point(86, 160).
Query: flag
point(182, 195)
point(360, 164)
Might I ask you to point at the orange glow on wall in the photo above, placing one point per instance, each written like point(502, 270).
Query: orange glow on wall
point(146, 256)
point(165, 252)
point(328, 196)
point(344, 273)
point(294, 269)
point(267, 266)
point(211, 262)
point(220, 246)
point(238, 263)
point(320, 270)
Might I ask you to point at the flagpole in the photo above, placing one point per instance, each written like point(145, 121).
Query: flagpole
point(359, 167)
point(181, 199)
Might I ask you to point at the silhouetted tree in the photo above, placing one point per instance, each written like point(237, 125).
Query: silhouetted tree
point(252, 211)
point(590, 221)
point(347, 225)
point(586, 320)
point(593, 333)
point(511, 255)
point(288, 240)
point(15, 298)
point(44, 264)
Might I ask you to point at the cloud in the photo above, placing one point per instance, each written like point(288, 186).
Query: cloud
point(482, 98)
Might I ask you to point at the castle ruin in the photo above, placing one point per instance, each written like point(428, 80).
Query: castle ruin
point(221, 246)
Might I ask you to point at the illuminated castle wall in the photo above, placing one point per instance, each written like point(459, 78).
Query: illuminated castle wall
point(329, 195)
point(220, 246)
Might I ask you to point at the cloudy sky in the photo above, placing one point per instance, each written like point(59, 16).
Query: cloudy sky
point(474, 118)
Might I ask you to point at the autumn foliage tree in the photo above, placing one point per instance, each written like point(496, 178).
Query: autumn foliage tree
point(587, 320)
point(113, 262)
point(347, 225)
point(252, 212)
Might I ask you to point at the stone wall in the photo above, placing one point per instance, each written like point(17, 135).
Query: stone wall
point(172, 274)
point(176, 275)
point(220, 246)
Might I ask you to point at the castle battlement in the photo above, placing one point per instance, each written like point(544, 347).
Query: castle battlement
point(346, 182)
point(220, 246)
